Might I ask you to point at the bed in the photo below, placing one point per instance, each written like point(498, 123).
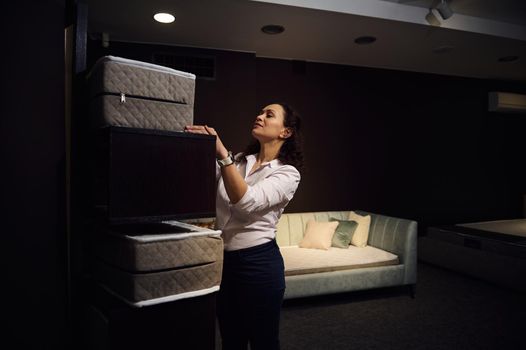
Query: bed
point(494, 251)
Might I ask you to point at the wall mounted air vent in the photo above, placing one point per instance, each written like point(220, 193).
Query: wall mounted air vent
point(202, 66)
point(506, 102)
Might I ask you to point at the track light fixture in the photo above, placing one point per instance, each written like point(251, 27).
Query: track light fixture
point(444, 9)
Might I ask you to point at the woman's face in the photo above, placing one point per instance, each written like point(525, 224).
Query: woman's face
point(269, 124)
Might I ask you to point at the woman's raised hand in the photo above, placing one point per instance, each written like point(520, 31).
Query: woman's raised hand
point(221, 151)
point(200, 129)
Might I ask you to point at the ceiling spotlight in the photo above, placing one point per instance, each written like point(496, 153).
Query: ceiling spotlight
point(444, 9)
point(272, 29)
point(164, 17)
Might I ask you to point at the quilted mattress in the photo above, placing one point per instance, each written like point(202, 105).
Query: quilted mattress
point(140, 95)
point(146, 264)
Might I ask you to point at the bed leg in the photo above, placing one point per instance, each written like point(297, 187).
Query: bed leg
point(412, 290)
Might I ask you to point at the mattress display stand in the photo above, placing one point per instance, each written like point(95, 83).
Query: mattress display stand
point(177, 320)
point(151, 281)
point(183, 324)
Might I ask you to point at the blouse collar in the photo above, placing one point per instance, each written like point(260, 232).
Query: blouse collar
point(251, 159)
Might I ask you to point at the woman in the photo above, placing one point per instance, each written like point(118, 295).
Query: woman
point(253, 189)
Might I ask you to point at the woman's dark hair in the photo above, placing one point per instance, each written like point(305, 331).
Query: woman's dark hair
point(291, 151)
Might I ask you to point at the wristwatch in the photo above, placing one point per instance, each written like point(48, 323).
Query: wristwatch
point(227, 161)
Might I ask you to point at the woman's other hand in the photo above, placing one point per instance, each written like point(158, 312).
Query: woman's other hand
point(221, 151)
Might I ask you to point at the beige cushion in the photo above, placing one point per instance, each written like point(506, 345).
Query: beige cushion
point(361, 234)
point(318, 235)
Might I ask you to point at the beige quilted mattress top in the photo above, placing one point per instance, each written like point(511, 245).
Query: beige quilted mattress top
point(300, 261)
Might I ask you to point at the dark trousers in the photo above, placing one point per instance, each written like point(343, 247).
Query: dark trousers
point(250, 298)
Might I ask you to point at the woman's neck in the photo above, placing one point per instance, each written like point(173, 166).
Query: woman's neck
point(269, 151)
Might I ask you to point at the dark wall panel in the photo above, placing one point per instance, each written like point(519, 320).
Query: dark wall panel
point(416, 145)
point(33, 176)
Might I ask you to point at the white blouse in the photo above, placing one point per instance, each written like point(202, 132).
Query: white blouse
point(252, 220)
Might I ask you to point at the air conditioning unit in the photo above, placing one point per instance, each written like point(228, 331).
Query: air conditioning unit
point(506, 102)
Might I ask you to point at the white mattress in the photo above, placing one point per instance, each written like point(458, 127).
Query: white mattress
point(302, 260)
point(193, 231)
point(515, 227)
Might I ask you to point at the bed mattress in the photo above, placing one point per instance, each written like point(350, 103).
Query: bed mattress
point(299, 261)
point(516, 227)
point(488, 239)
point(482, 250)
point(147, 264)
point(152, 288)
point(140, 95)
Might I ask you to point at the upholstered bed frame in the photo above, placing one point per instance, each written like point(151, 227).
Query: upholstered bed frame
point(395, 236)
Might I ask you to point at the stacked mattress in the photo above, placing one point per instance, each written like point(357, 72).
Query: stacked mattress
point(146, 264)
point(146, 172)
point(137, 94)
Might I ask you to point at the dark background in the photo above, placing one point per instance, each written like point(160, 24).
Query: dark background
point(33, 172)
point(419, 146)
point(413, 145)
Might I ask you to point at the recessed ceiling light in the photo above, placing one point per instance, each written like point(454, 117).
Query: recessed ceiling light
point(272, 29)
point(164, 17)
point(365, 40)
point(507, 59)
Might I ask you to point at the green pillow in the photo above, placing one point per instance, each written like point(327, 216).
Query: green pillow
point(343, 235)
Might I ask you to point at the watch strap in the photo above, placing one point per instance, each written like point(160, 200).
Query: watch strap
point(227, 161)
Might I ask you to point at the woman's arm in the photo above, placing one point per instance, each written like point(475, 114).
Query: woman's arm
point(276, 189)
point(235, 185)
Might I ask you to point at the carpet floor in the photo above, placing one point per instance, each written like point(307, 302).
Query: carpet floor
point(450, 311)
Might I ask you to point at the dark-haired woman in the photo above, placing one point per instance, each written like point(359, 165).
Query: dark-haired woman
point(253, 189)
